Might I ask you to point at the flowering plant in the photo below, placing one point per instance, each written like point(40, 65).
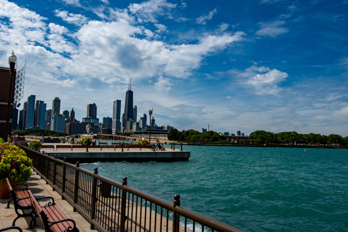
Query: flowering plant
point(35, 144)
point(14, 164)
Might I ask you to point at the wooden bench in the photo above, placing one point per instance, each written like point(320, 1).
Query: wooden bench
point(21, 202)
point(52, 217)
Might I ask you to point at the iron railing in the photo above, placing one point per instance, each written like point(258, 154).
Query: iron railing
point(112, 206)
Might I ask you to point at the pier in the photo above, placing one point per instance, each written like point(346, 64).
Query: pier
point(108, 153)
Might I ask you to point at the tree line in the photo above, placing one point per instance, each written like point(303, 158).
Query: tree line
point(259, 137)
point(297, 138)
point(38, 132)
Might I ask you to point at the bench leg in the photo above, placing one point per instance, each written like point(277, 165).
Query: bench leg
point(8, 203)
point(24, 215)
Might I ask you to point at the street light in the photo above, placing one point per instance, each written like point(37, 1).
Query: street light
point(12, 62)
point(150, 113)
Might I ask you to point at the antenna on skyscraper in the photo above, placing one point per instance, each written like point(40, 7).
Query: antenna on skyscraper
point(130, 84)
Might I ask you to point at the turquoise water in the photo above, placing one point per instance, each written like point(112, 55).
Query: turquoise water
point(253, 189)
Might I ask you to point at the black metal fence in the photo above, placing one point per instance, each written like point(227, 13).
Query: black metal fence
point(114, 206)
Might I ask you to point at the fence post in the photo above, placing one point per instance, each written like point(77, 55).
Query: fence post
point(175, 215)
point(54, 173)
point(123, 205)
point(64, 176)
point(94, 197)
point(76, 186)
point(181, 146)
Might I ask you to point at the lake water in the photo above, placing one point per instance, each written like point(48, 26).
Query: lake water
point(253, 189)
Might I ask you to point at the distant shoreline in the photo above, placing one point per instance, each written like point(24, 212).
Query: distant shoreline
point(265, 145)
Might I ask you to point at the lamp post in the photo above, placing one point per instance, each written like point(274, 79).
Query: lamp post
point(150, 113)
point(12, 62)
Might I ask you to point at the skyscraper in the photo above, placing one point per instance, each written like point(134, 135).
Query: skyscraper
point(42, 115)
point(92, 111)
point(128, 109)
point(135, 112)
point(56, 106)
point(72, 115)
point(66, 114)
point(116, 117)
point(25, 110)
point(30, 112)
point(48, 119)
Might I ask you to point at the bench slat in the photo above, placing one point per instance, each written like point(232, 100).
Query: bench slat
point(50, 214)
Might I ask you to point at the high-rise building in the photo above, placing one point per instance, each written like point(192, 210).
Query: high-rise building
point(107, 125)
point(25, 110)
point(128, 109)
point(41, 115)
point(142, 121)
point(92, 111)
point(72, 115)
point(30, 112)
point(20, 121)
point(153, 123)
point(15, 118)
point(66, 114)
point(58, 123)
point(48, 119)
point(55, 106)
point(116, 117)
point(135, 112)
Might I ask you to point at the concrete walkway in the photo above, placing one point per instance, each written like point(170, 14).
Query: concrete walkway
point(39, 187)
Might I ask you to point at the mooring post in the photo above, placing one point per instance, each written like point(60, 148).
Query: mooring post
point(175, 214)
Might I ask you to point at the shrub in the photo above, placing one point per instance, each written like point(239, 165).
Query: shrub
point(35, 144)
point(14, 164)
point(86, 141)
point(142, 142)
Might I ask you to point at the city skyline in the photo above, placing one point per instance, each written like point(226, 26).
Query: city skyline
point(273, 65)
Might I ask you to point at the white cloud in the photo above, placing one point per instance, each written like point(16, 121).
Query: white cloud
point(57, 29)
point(72, 18)
point(204, 18)
point(72, 2)
point(272, 29)
point(148, 11)
point(263, 80)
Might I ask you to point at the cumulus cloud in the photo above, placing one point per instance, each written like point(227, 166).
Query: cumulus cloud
point(272, 29)
point(204, 18)
point(148, 11)
point(72, 18)
point(263, 80)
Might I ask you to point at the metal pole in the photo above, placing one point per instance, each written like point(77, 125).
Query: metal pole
point(8, 130)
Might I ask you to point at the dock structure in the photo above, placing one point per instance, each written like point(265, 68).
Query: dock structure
point(73, 153)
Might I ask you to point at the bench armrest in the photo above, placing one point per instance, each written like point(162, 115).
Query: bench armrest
point(45, 198)
point(66, 220)
point(25, 185)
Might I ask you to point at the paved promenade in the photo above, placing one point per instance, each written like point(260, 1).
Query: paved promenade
point(39, 187)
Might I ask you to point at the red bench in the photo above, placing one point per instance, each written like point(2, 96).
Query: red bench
point(21, 202)
point(52, 217)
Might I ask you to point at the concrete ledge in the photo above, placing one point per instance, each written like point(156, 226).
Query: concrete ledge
point(89, 157)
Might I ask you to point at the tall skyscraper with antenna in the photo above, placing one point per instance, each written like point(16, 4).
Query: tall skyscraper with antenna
point(128, 107)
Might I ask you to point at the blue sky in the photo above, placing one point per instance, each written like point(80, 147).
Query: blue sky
point(274, 65)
